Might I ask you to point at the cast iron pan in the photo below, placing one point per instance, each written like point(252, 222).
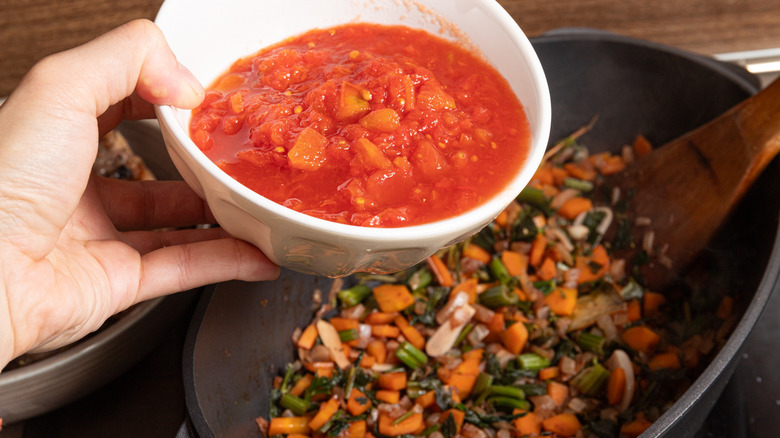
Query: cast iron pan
point(240, 335)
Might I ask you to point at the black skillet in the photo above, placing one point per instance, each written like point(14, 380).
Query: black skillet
point(240, 335)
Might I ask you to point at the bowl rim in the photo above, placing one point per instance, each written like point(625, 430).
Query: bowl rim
point(480, 215)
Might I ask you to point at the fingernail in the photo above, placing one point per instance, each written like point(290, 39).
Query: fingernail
point(192, 82)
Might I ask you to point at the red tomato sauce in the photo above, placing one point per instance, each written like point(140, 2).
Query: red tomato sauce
point(365, 124)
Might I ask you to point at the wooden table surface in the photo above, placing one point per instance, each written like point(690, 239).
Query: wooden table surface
point(32, 29)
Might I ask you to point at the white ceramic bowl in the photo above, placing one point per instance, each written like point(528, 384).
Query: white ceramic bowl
point(207, 37)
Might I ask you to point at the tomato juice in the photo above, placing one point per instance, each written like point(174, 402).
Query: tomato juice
point(365, 124)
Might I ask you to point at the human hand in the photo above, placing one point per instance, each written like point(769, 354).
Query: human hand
point(75, 248)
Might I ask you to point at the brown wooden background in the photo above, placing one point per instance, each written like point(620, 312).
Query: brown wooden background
point(31, 29)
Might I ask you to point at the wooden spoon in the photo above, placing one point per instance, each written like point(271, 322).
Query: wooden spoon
point(690, 185)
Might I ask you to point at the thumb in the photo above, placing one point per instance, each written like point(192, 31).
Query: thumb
point(49, 123)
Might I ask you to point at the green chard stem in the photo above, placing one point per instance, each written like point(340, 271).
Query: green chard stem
point(591, 380)
point(354, 295)
point(591, 342)
point(294, 403)
point(509, 402)
point(532, 361)
point(499, 270)
point(410, 355)
point(498, 296)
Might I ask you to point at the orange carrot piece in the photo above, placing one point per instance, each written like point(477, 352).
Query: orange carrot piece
point(378, 350)
point(380, 318)
point(457, 415)
point(393, 297)
point(316, 366)
point(410, 332)
point(469, 286)
point(356, 429)
point(574, 206)
point(641, 338)
point(515, 337)
point(394, 381)
point(327, 410)
point(642, 146)
point(367, 361)
point(308, 337)
point(357, 403)
point(426, 400)
point(388, 396)
point(549, 373)
point(497, 324)
point(634, 310)
point(616, 385)
point(289, 425)
point(516, 263)
point(664, 360)
point(538, 247)
point(385, 331)
point(544, 174)
point(562, 301)
point(651, 301)
point(477, 253)
point(475, 354)
point(725, 307)
point(635, 427)
point(528, 424)
point(583, 170)
point(558, 392)
point(297, 435)
point(612, 165)
point(341, 324)
point(547, 270)
point(440, 271)
point(565, 424)
point(559, 174)
point(301, 385)
point(408, 426)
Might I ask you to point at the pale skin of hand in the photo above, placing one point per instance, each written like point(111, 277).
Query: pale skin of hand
point(75, 248)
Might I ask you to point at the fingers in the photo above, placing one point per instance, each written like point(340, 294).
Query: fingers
point(184, 267)
point(147, 241)
point(147, 205)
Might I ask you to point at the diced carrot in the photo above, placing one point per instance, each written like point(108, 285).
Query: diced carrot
point(341, 324)
point(308, 150)
point(440, 271)
point(664, 360)
point(565, 424)
point(410, 332)
point(502, 219)
point(469, 286)
point(316, 366)
point(289, 425)
point(634, 310)
point(367, 361)
point(582, 170)
point(395, 381)
point(381, 120)
point(388, 396)
point(496, 325)
point(642, 146)
point(327, 410)
point(558, 392)
point(385, 331)
point(574, 206)
point(725, 307)
point(544, 174)
point(409, 425)
point(586, 266)
point(308, 337)
point(475, 354)
point(297, 435)
point(393, 297)
point(301, 385)
point(515, 337)
point(547, 270)
point(538, 247)
point(357, 403)
point(517, 264)
point(477, 253)
point(549, 373)
point(599, 255)
point(356, 429)
point(616, 385)
point(457, 415)
point(559, 175)
point(528, 424)
point(612, 165)
point(641, 338)
point(426, 400)
point(562, 301)
point(378, 350)
point(651, 301)
point(324, 372)
point(636, 427)
point(380, 318)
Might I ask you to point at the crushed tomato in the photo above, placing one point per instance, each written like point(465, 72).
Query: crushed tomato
point(365, 124)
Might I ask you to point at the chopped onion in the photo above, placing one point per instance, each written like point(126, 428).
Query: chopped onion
point(619, 358)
